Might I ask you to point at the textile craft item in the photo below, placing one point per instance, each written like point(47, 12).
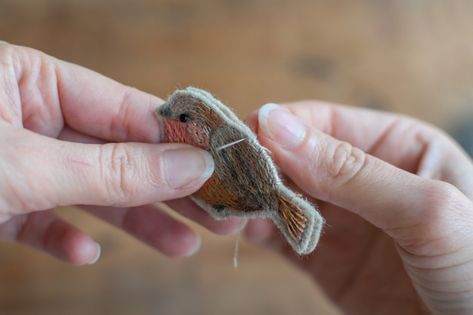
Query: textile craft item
point(245, 182)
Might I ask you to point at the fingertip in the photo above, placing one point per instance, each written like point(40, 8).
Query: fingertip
point(252, 121)
point(259, 230)
point(279, 125)
point(263, 114)
point(226, 226)
point(80, 249)
point(196, 247)
point(46, 231)
point(185, 166)
point(182, 243)
point(98, 252)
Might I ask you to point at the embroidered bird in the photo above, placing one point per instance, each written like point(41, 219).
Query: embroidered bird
point(245, 182)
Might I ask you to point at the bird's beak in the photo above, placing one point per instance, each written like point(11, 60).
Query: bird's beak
point(164, 110)
point(162, 113)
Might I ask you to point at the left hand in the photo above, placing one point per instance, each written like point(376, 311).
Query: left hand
point(47, 107)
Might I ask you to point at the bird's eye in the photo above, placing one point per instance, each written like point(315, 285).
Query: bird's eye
point(184, 117)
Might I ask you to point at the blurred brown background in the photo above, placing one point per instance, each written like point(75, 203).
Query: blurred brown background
point(409, 56)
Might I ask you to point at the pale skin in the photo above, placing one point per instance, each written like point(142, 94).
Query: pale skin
point(395, 192)
point(396, 195)
point(70, 136)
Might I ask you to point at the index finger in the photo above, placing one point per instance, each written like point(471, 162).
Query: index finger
point(396, 139)
point(101, 107)
point(87, 101)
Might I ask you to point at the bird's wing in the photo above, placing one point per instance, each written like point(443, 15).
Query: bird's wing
point(241, 166)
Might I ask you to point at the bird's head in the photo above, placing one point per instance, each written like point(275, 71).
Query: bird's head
point(187, 119)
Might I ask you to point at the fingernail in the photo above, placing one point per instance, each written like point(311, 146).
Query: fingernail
point(198, 244)
point(98, 251)
point(186, 166)
point(278, 124)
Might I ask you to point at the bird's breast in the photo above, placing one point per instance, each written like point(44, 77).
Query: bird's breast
point(186, 132)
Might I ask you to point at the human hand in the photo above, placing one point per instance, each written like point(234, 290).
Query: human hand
point(66, 138)
point(396, 195)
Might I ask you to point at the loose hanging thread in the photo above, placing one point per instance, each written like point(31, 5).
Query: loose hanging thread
point(237, 242)
point(244, 220)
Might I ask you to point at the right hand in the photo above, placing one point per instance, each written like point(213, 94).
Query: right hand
point(396, 195)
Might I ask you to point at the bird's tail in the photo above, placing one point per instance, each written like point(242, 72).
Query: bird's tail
point(299, 221)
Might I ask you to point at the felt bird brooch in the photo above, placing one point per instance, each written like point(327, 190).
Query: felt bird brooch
point(245, 182)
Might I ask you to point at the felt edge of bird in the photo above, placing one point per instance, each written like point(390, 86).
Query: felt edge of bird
point(314, 222)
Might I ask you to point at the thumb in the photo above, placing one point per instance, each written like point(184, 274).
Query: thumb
point(338, 173)
point(44, 172)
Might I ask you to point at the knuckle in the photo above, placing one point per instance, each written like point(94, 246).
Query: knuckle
point(440, 197)
point(117, 168)
point(12, 199)
point(441, 221)
point(18, 188)
point(334, 164)
point(120, 121)
point(6, 54)
point(446, 207)
point(344, 163)
point(12, 56)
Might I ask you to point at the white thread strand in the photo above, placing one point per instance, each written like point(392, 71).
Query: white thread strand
point(230, 144)
point(237, 242)
point(267, 150)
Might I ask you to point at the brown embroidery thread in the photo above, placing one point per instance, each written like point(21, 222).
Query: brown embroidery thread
point(245, 182)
